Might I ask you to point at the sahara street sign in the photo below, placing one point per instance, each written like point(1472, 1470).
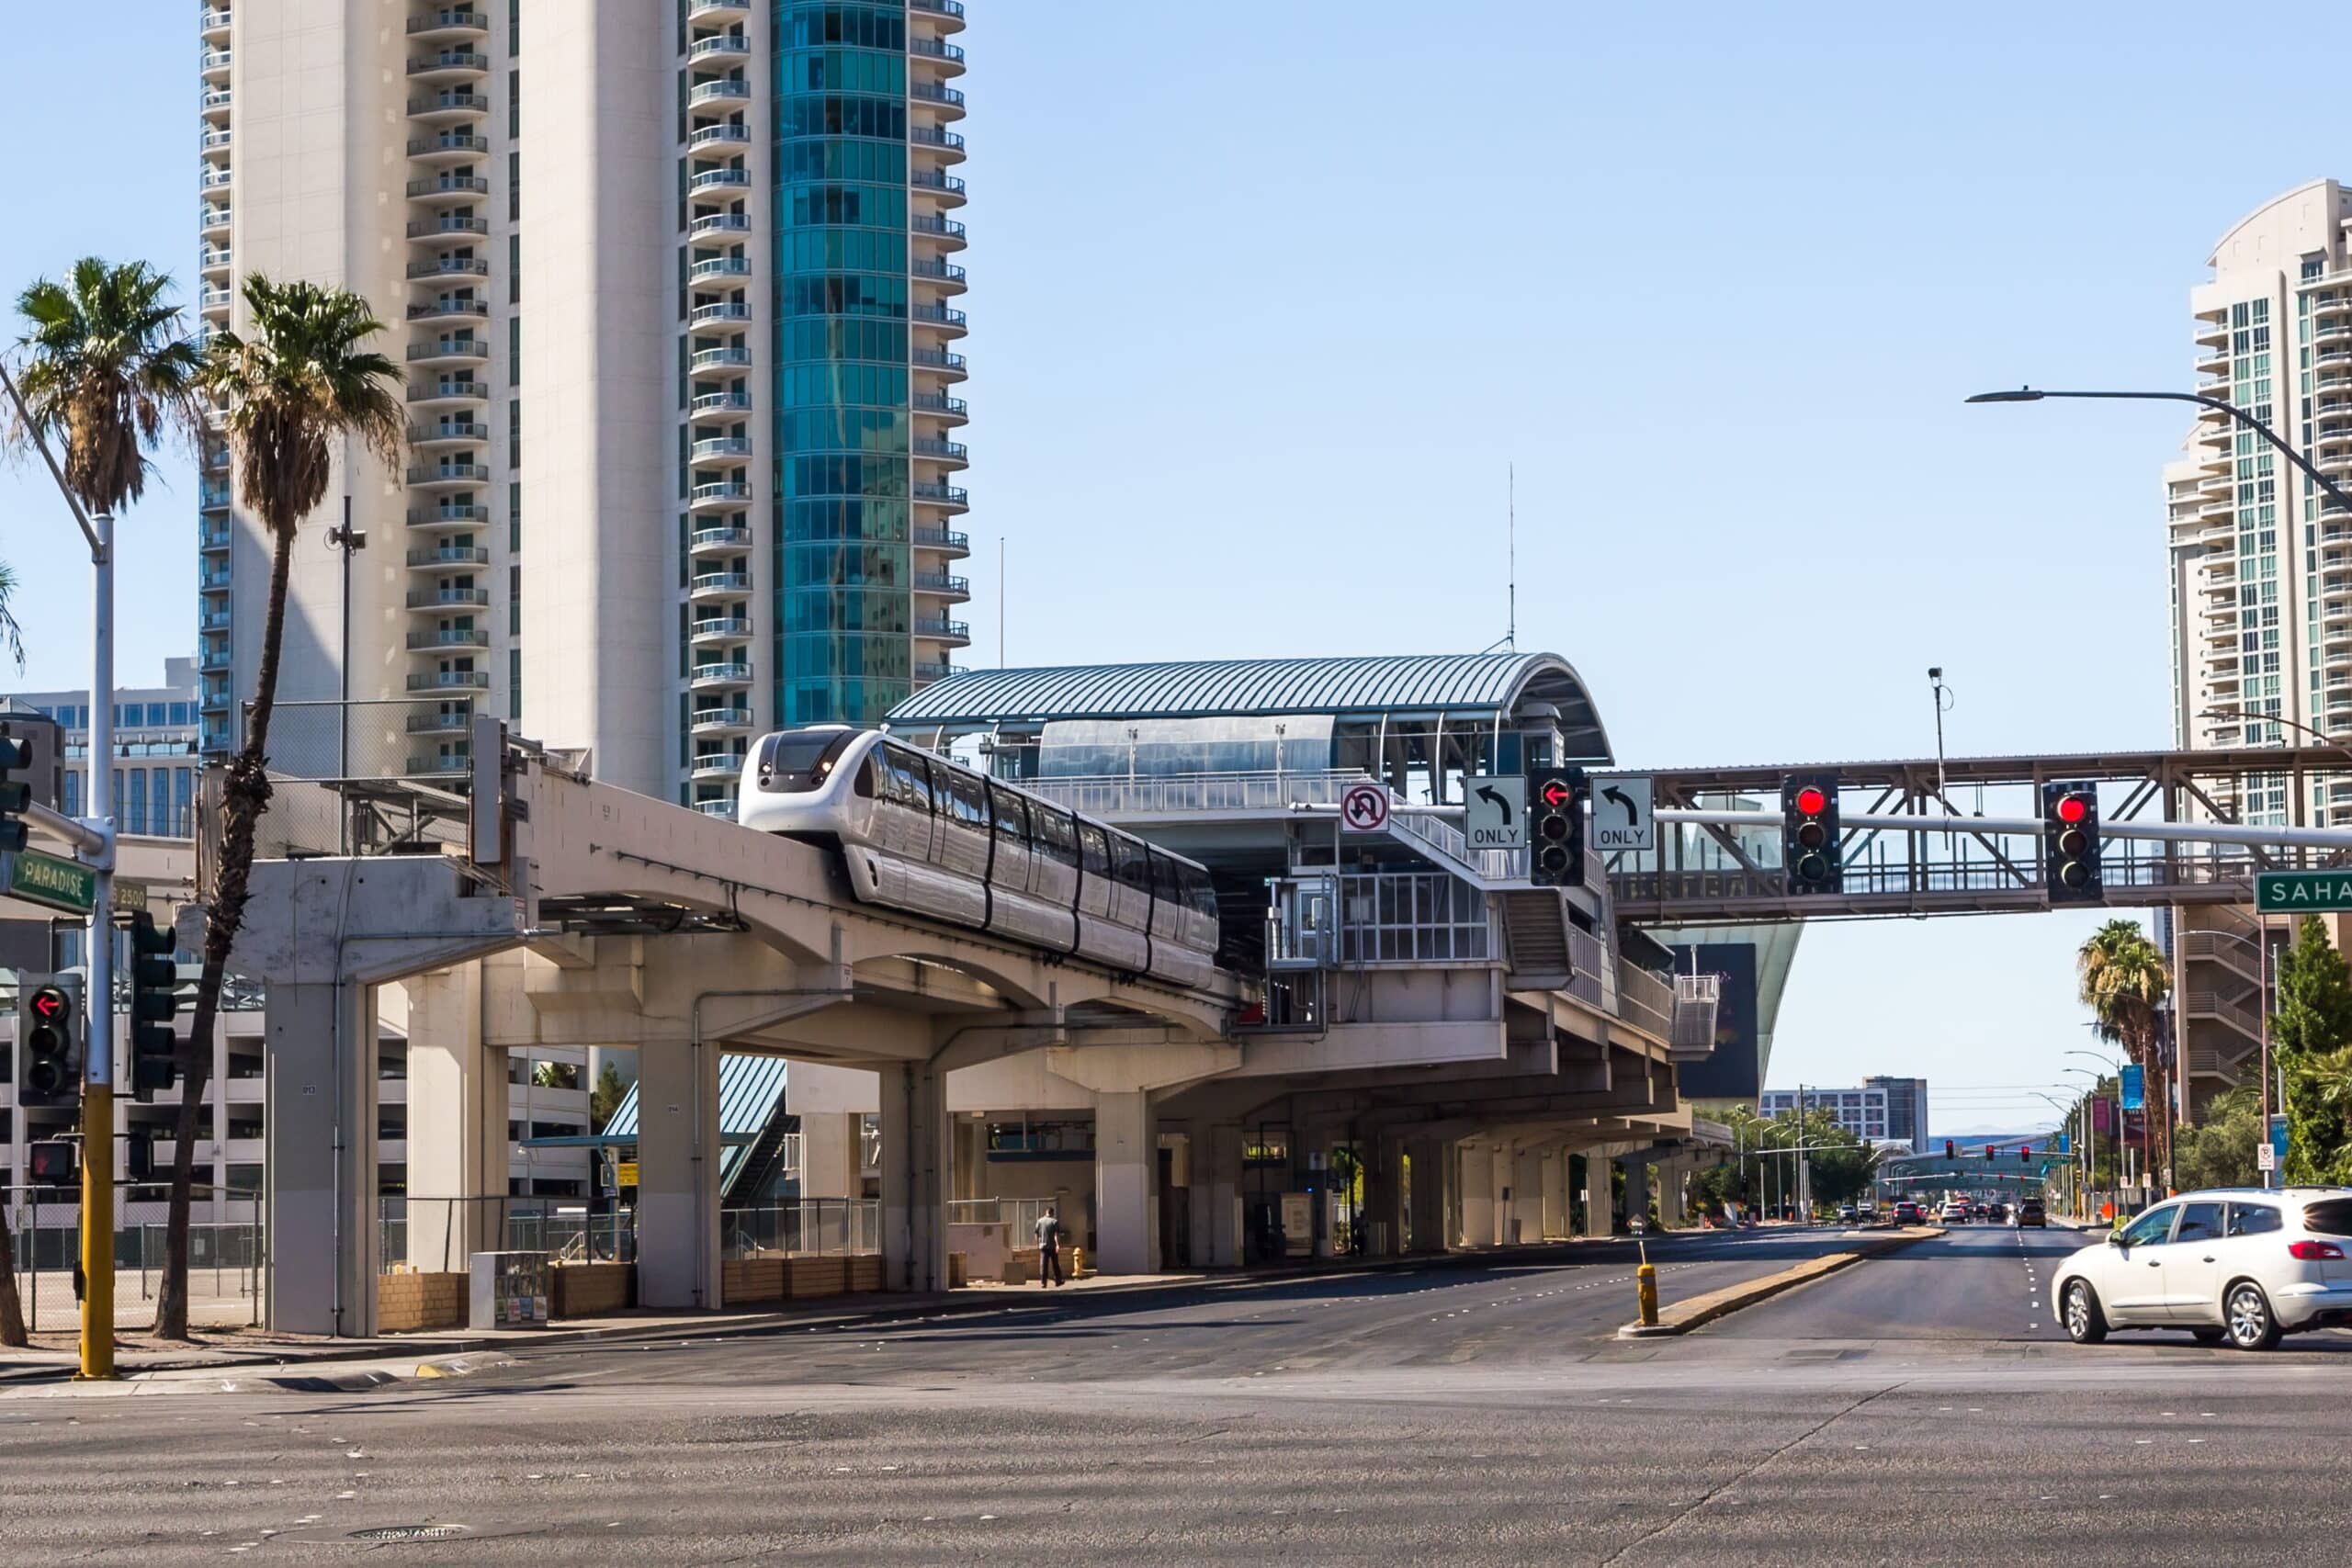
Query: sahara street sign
point(53, 884)
point(2284, 892)
point(1495, 811)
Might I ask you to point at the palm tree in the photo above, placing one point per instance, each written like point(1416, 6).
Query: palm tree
point(2124, 981)
point(107, 373)
point(288, 390)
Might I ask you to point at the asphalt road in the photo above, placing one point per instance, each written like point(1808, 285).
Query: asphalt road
point(1972, 1282)
point(1475, 1414)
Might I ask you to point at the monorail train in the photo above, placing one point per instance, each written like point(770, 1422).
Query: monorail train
point(920, 832)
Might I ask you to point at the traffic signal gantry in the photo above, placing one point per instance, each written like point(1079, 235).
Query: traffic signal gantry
point(1555, 800)
point(1809, 839)
point(2070, 843)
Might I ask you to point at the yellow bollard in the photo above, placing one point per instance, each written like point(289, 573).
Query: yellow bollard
point(1646, 1289)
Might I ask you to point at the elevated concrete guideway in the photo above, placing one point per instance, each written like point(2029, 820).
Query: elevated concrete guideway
point(580, 913)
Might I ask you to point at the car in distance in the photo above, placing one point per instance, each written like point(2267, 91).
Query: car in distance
point(1847, 1214)
point(1979, 1211)
point(1996, 1212)
point(2030, 1213)
point(1955, 1212)
point(2238, 1265)
point(1907, 1211)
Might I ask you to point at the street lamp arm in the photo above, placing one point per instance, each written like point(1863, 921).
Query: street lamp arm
point(2218, 405)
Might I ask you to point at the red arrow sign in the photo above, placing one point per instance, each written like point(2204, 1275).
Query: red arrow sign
point(49, 1003)
point(1556, 793)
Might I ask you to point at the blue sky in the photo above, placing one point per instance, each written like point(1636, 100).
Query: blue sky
point(1265, 304)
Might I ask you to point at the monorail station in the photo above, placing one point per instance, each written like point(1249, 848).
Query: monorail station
point(1130, 940)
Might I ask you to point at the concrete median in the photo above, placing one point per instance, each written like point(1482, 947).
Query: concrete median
point(1681, 1317)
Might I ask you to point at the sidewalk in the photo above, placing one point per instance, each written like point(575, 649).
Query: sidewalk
point(55, 1358)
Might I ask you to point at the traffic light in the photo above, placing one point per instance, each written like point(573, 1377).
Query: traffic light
point(53, 1162)
point(154, 982)
point(1950, 1151)
point(1809, 842)
point(16, 794)
point(1989, 1151)
point(1556, 828)
point(2025, 1154)
point(49, 1021)
point(2069, 842)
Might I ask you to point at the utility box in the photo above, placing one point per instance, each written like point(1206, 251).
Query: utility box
point(510, 1290)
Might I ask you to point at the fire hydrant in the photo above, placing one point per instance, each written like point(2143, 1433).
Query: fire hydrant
point(1646, 1289)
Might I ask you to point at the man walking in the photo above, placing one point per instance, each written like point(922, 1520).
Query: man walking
point(1049, 1250)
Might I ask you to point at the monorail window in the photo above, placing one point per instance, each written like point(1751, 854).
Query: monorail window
point(965, 798)
point(801, 759)
point(1200, 894)
point(1164, 875)
point(1094, 849)
point(1012, 813)
point(910, 782)
point(870, 780)
point(1134, 864)
point(1056, 834)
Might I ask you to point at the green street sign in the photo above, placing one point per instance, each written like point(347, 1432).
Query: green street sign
point(2288, 892)
point(53, 884)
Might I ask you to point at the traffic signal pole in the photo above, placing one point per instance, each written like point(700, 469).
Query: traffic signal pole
point(97, 1090)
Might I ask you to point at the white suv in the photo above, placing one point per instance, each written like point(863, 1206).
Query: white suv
point(2241, 1265)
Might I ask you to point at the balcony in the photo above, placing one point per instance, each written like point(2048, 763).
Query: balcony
point(949, 496)
point(212, 297)
point(719, 628)
point(718, 584)
point(718, 360)
point(946, 229)
point(945, 319)
point(212, 657)
point(213, 261)
point(445, 722)
point(446, 432)
point(720, 266)
point(951, 11)
point(212, 576)
point(728, 92)
point(940, 405)
point(424, 476)
point(719, 49)
point(448, 266)
point(930, 269)
point(941, 629)
point(212, 221)
point(452, 145)
point(721, 539)
point(716, 764)
point(213, 103)
point(710, 224)
point(943, 584)
point(946, 143)
point(456, 308)
point(450, 556)
point(212, 618)
point(450, 392)
point(450, 680)
point(948, 188)
point(926, 669)
point(725, 316)
point(711, 11)
point(212, 22)
point(441, 765)
point(938, 50)
point(448, 637)
point(449, 351)
point(449, 225)
point(947, 541)
point(709, 721)
point(450, 65)
point(448, 24)
point(213, 534)
point(720, 497)
point(721, 184)
point(721, 449)
point(216, 176)
point(448, 108)
point(710, 677)
point(449, 599)
point(719, 137)
point(718, 405)
point(940, 361)
point(946, 99)
point(216, 142)
point(942, 451)
point(450, 188)
point(717, 809)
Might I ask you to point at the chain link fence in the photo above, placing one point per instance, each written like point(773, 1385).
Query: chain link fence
point(227, 1253)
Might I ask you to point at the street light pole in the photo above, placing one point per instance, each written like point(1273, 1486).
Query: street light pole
point(2034, 395)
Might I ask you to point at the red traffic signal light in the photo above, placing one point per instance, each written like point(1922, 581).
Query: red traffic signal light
point(2072, 808)
point(1809, 834)
point(1951, 1150)
point(1556, 793)
point(1810, 800)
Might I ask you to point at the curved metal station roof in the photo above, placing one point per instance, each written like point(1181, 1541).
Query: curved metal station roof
point(1457, 685)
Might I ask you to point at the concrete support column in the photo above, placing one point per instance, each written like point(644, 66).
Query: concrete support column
point(1428, 1200)
point(458, 1147)
point(1126, 1184)
point(1673, 1200)
point(1600, 1200)
point(1637, 1190)
point(1384, 1209)
point(1475, 1164)
point(829, 1155)
point(1556, 1193)
point(1527, 1195)
point(1216, 1194)
point(677, 1176)
point(326, 1249)
point(914, 1177)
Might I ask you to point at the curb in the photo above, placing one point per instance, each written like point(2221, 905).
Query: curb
point(1683, 1316)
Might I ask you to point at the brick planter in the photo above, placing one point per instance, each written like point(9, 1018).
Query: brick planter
point(593, 1290)
point(406, 1302)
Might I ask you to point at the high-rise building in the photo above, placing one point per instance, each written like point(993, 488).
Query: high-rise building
point(155, 750)
point(1861, 1111)
point(1906, 1110)
point(2262, 626)
point(672, 283)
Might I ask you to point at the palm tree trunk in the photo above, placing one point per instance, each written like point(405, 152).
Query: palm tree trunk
point(244, 801)
point(12, 1312)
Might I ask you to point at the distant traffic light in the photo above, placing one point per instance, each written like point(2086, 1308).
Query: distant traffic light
point(1951, 1150)
point(1809, 839)
point(1556, 828)
point(1989, 1151)
point(16, 794)
point(2025, 1154)
point(2070, 843)
point(49, 1015)
point(154, 984)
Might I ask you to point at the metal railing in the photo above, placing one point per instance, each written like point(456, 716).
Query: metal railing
point(797, 1227)
point(437, 1235)
point(227, 1253)
point(1414, 917)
